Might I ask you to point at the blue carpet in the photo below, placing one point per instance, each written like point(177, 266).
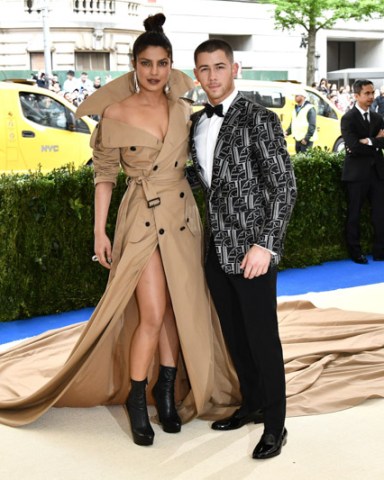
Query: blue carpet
point(329, 276)
point(317, 278)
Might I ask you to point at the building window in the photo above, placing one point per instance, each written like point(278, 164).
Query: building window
point(37, 61)
point(241, 43)
point(86, 61)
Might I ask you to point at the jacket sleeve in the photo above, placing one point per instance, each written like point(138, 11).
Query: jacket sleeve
point(351, 134)
point(106, 160)
point(279, 179)
point(311, 117)
point(378, 142)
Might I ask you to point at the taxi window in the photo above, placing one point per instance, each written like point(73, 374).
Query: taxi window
point(46, 111)
point(322, 107)
point(268, 97)
point(43, 110)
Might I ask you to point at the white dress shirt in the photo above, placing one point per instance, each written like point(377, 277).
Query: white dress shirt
point(368, 118)
point(206, 135)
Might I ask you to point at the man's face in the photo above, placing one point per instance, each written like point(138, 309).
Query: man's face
point(299, 99)
point(365, 98)
point(216, 75)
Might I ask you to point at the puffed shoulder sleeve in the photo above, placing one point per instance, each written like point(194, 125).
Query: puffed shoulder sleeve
point(106, 159)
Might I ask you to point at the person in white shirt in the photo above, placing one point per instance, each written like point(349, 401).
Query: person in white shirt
point(71, 83)
point(240, 157)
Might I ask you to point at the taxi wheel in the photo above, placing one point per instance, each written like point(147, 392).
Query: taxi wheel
point(339, 145)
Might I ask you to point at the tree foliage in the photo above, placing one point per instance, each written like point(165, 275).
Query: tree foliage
point(315, 15)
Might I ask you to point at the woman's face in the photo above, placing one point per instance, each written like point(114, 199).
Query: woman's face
point(153, 67)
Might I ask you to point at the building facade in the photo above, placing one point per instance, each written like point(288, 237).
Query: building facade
point(97, 36)
point(82, 35)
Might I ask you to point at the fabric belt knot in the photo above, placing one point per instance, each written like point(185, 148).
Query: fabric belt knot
point(153, 200)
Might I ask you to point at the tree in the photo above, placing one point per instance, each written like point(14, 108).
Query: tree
point(315, 15)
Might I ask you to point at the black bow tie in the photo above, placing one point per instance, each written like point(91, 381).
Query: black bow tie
point(210, 110)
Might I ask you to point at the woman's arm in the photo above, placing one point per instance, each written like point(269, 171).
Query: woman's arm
point(103, 248)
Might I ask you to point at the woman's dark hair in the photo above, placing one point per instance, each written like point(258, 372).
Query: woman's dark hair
point(153, 36)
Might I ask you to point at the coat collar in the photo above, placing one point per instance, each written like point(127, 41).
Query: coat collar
point(122, 87)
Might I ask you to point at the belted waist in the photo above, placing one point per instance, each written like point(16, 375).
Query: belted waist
point(149, 184)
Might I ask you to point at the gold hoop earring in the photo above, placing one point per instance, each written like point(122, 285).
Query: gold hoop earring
point(136, 83)
point(167, 89)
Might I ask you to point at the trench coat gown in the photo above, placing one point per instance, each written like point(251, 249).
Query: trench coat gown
point(158, 210)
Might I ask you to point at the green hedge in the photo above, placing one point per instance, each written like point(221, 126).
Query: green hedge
point(46, 231)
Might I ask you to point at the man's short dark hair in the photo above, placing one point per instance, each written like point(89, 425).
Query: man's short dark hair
point(212, 45)
point(359, 85)
point(71, 72)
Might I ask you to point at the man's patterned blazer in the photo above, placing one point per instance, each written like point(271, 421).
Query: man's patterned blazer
point(253, 187)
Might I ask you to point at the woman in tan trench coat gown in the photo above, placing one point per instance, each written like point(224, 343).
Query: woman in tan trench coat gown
point(156, 294)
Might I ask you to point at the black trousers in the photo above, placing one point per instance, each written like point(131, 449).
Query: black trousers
point(247, 312)
point(358, 192)
point(300, 148)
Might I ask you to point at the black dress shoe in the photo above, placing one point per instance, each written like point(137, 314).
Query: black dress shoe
point(270, 446)
point(362, 259)
point(238, 420)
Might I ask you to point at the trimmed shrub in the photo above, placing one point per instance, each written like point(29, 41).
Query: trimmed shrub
point(46, 231)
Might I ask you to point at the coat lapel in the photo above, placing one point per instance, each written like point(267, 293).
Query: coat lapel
point(195, 120)
point(220, 159)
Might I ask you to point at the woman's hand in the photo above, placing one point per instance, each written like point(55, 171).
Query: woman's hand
point(103, 250)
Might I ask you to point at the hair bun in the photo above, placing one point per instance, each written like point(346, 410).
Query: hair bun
point(155, 23)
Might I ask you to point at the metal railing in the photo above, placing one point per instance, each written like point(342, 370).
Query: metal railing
point(103, 7)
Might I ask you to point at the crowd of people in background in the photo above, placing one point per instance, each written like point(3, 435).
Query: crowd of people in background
point(343, 97)
point(77, 89)
point(74, 89)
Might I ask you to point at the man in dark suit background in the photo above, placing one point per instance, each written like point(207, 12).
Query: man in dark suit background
point(240, 155)
point(363, 170)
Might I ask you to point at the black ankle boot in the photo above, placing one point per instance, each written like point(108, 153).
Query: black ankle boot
point(164, 394)
point(136, 403)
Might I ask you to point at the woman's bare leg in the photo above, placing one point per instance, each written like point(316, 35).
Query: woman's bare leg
point(156, 320)
point(169, 344)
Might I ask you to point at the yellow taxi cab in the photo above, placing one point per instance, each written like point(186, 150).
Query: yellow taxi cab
point(38, 129)
point(279, 96)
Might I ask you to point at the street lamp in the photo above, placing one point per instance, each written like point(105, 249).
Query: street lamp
point(42, 6)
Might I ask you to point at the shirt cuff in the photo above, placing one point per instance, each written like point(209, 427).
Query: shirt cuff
point(268, 250)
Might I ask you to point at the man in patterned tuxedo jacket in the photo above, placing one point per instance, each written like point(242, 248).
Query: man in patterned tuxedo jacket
point(241, 160)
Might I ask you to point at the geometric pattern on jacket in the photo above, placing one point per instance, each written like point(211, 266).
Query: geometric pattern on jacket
point(253, 189)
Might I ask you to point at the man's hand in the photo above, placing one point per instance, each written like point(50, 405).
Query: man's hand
point(364, 141)
point(256, 262)
point(380, 134)
point(303, 142)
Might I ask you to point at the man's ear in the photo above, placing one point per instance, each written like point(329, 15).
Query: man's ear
point(235, 69)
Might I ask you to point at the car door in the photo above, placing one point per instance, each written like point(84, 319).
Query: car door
point(327, 122)
point(47, 135)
